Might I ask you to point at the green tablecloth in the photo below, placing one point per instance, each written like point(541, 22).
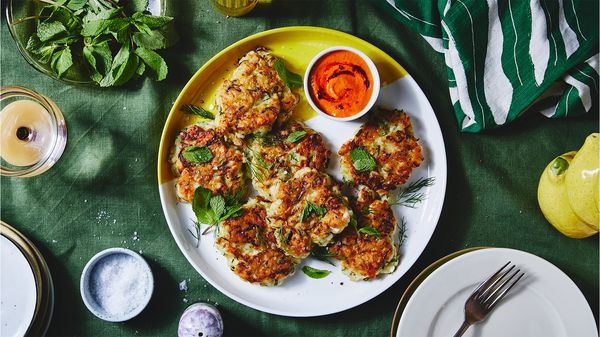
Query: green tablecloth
point(104, 188)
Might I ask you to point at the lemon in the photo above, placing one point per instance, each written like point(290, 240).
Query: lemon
point(553, 199)
point(582, 181)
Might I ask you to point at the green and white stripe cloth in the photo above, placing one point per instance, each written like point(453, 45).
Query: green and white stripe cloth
point(505, 57)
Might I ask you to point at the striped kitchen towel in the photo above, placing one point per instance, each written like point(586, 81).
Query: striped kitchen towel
point(507, 56)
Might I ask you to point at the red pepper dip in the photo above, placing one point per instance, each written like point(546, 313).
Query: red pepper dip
point(341, 83)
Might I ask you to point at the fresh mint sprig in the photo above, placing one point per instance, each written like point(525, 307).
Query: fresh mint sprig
point(362, 160)
point(115, 40)
point(292, 80)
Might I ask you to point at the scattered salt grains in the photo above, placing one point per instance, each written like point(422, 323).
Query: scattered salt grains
point(118, 284)
point(185, 300)
point(54, 241)
point(124, 108)
point(183, 285)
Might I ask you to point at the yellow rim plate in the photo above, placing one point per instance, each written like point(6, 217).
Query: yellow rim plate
point(298, 294)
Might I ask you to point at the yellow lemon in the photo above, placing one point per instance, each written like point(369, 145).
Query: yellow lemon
point(553, 200)
point(582, 181)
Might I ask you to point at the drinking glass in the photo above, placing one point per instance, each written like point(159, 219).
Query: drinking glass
point(234, 7)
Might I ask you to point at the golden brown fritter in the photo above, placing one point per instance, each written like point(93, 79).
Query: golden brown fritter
point(276, 156)
point(223, 174)
point(254, 98)
point(307, 209)
point(388, 138)
point(366, 253)
point(250, 248)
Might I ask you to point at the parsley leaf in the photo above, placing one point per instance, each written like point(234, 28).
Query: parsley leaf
point(362, 160)
point(315, 273)
point(296, 136)
point(311, 208)
point(292, 80)
point(197, 154)
point(198, 111)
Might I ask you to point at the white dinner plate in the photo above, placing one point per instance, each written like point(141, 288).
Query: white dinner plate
point(300, 295)
point(18, 293)
point(545, 303)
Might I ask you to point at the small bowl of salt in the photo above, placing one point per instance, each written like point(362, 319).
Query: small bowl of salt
point(116, 284)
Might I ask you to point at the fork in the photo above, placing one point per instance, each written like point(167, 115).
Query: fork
point(487, 295)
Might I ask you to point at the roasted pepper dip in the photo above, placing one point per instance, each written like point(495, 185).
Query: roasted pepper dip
point(341, 83)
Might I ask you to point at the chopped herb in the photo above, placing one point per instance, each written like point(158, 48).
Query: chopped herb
point(412, 195)
point(354, 223)
point(292, 80)
point(315, 273)
point(370, 231)
point(296, 136)
point(321, 253)
point(197, 154)
point(362, 160)
point(198, 111)
point(311, 208)
point(293, 157)
point(114, 42)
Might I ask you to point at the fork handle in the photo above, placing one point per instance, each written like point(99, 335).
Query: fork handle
point(463, 328)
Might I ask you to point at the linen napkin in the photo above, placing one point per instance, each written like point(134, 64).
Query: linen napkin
point(505, 57)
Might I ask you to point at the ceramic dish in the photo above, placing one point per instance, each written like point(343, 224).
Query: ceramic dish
point(376, 84)
point(545, 303)
point(298, 294)
point(43, 290)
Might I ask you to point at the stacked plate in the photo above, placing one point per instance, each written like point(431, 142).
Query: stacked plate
point(544, 303)
point(26, 290)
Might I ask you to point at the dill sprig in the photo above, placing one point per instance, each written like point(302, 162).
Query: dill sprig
point(401, 226)
point(412, 195)
point(198, 111)
point(257, 164)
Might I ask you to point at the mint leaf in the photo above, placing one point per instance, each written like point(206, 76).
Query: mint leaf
point(197, 154)
point(151, 21)
point(217, 204)
point(370, 231)
point(296, 136)
point(155, 62)
point(315, 273)
point(362, 160)
point(99, 57)
point(198, 111)
point(158, 39)
point(311, 208)
point(48, 30)
point(136, 5)
point(292, 80)
point(61, 61)
point(321, 254)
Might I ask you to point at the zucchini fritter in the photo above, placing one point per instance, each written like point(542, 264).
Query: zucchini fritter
point(249, 246)
point(273, 157)
point(364, 255)
point(388, 138)
point(254, 98)
point(307, 209)
point(222, 174)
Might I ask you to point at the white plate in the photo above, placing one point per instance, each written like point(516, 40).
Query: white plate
point(18, 294)
point(299, 295)
point(545, 303)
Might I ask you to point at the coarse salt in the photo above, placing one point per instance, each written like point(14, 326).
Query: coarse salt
point(119, 284)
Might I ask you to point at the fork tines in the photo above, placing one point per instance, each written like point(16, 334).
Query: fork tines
point(497, 286)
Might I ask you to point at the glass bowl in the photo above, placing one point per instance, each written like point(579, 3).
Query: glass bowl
point(21, 27)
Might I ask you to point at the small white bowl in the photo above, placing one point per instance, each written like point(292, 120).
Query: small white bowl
point(372, 68)
point(87, 291)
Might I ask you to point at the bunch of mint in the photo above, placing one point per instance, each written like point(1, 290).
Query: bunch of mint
point(116, 40)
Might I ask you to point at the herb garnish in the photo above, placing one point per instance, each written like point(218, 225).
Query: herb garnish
point(412, 195)
point(292, 80)
point(197, 154)
point(211, 210)
point(113, 45)
point(401, 225)
point(296, 136)
point(311, 208)
point(321, 253)
point(315, 273)
point(259, 168)
point(362, 160)
point(198, 111)
point(370, 231)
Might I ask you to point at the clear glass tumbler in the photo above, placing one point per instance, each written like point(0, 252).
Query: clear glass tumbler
point(234, 7)
point(33, 133)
